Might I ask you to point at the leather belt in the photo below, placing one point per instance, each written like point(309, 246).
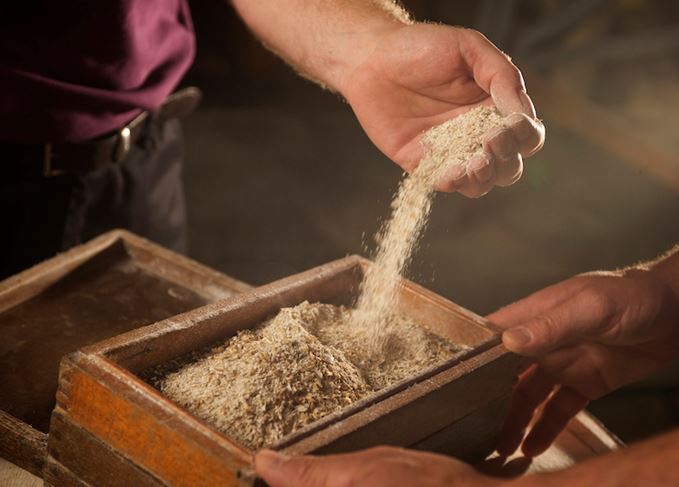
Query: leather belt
point(48, 160)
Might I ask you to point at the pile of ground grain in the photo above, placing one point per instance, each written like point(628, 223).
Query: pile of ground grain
point(266, 383)
point(408, 347)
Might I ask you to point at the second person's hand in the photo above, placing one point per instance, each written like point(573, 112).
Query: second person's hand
point(382, 466)
point(588, 335)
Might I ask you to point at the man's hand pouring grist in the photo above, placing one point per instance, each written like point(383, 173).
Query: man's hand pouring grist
point(401, 78)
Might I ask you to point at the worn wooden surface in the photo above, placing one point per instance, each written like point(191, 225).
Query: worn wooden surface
point(477, 431)
point(105, 287)
point(101, 392)
point(79, 447)
point(21, 443)
point(583, 438)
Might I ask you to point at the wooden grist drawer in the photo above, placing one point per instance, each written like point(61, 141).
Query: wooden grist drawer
point(111, 425)
point(110, 285)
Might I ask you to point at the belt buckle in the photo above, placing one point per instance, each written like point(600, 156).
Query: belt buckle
point(123, 145)
point(120, 149)
point(47, 157)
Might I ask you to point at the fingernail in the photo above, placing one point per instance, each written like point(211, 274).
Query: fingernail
point(492, 133)
point(270, 460)
point(514, 120)
point(519, 126)
point(526, 103)
point(484, 174)
point(504, 146)
point(517, 337)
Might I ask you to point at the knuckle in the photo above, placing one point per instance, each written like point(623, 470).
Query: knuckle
point(521, 125)
point(468, 192)
point(503, 145)
point(383, 451)
point(384, 455)
point(528, 133)
point(447, 186)
point(547, 330)
point(474, 194)
point(509, 172)
point(344, 479)
point(474, 34)
point(307, 473)
point(597, 301)
point(491, 136)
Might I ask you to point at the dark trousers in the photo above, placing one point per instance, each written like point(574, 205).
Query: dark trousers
point(143, 193)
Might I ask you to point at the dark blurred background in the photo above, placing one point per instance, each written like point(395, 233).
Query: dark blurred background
point(281, 178)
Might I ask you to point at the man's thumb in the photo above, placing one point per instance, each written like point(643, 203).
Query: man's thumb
point(576, 320)
point(279, 470)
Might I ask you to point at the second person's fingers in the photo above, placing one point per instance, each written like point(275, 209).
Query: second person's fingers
point(282, 471)
point(580, 318)
point(533, 387)
point(555, 416)
point(537, 303)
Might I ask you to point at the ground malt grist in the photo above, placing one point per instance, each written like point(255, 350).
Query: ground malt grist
point(296, 368)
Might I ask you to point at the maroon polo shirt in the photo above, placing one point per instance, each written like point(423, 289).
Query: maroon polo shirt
point(72, 70)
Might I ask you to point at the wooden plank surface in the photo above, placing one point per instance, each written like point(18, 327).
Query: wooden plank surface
point(109, 285)
point(584, 438)
point(22, 444)
point(78, 447)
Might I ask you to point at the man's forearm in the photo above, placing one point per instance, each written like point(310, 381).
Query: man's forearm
point(652, 462)
point(664, 269)
point(322, 39)
point(667, 267)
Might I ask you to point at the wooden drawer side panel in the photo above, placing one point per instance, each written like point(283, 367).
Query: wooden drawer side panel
point(56, 475)
point(410, 417)
point(143, 437)
point(473, 437)
point(91, 460)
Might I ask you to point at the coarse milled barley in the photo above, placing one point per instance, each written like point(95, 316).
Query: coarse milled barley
point(296, 368)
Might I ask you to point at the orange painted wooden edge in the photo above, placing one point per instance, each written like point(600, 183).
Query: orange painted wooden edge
point(132, 430)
